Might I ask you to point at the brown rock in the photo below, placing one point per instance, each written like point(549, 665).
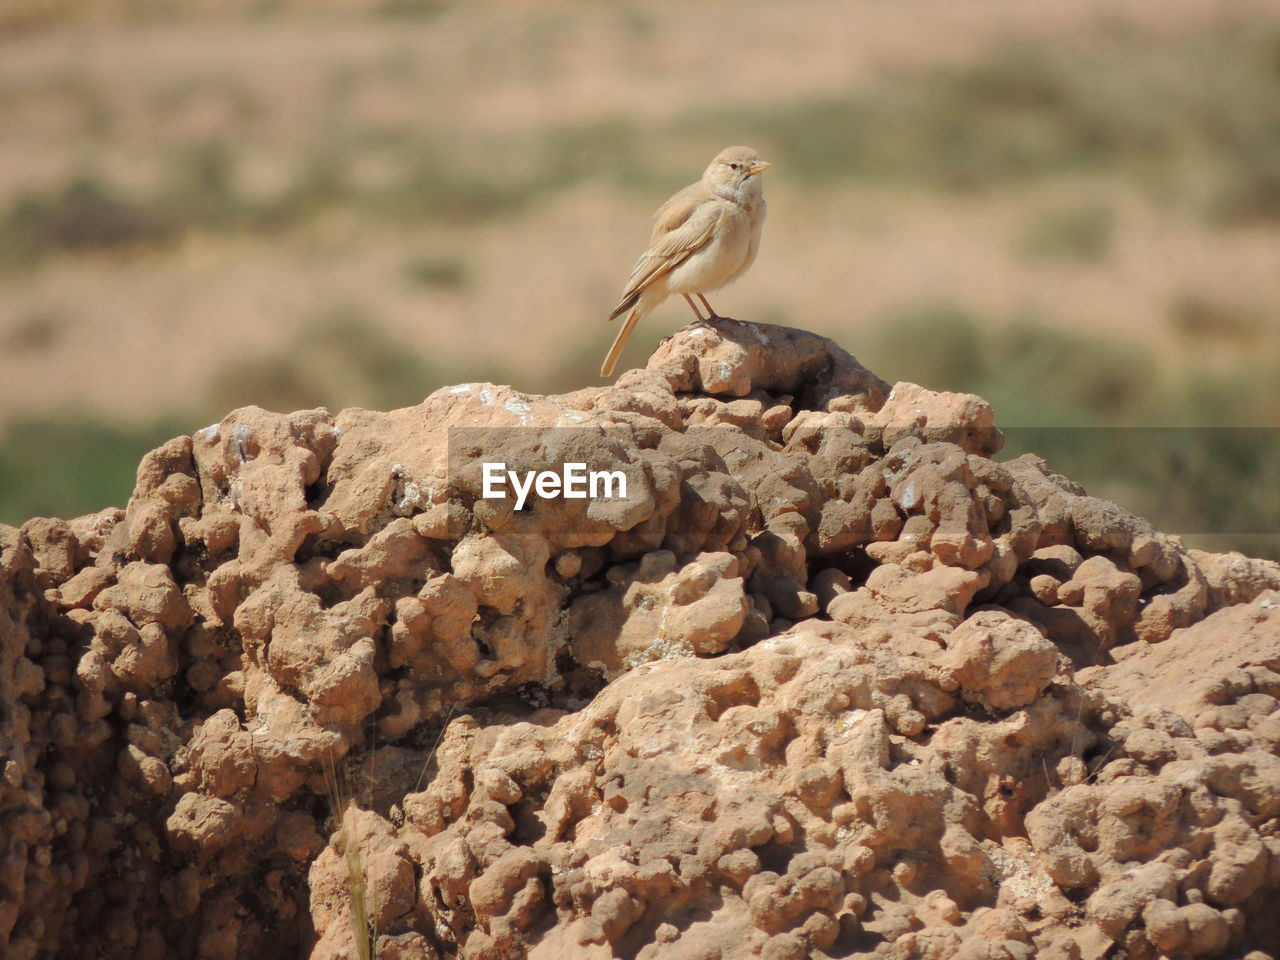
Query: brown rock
point(827, 681)
point(1000, 661)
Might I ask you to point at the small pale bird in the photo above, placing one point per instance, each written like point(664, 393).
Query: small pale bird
point(706, 236)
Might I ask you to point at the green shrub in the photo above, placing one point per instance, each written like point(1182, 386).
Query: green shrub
point(84, 215)
point(70, 466)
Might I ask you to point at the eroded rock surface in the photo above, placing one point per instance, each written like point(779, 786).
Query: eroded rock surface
point(830, 681)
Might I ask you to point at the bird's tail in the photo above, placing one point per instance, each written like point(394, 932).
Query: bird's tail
point(620, 341)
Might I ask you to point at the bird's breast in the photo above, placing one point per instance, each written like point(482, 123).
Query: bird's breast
point(730, 252)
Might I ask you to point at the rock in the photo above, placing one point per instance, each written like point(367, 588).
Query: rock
point(1000, 661)
point(827, 680)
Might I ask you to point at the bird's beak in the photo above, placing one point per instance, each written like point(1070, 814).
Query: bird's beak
point(760, 167)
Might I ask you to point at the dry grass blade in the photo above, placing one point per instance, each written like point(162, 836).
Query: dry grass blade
point(363, 931)
point(444, 725)
point(341, 802)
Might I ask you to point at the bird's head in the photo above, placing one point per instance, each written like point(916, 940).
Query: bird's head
point(735, 173)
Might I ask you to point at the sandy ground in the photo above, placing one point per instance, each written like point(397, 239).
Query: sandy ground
point(120, 97)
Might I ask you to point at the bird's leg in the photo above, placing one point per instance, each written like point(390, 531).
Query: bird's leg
point(710, 309)
point(694, 307)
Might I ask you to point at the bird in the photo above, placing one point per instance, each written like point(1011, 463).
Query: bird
point(706, 236)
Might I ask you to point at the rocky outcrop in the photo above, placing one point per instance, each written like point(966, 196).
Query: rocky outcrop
point(828, 681)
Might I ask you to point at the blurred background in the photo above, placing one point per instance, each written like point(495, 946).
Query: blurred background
point(1071, 209)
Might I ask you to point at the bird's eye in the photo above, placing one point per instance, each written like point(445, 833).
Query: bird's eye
point(735, 166)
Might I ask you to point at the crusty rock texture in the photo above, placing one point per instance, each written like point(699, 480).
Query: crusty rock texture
point(829, 682)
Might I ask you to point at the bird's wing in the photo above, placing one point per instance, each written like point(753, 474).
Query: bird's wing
point(678, 209)
point(685, 224)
